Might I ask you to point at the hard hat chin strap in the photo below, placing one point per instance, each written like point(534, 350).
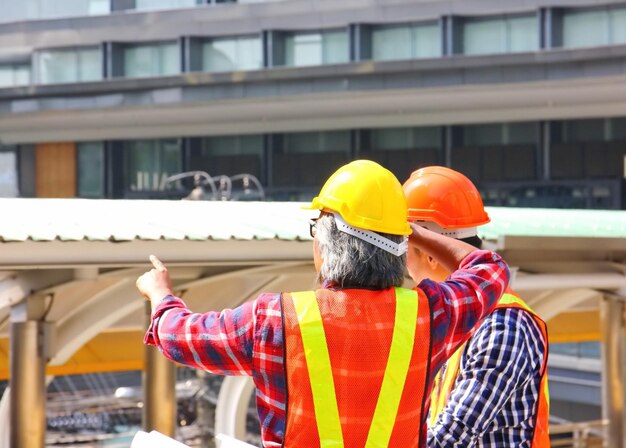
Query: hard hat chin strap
point(459, 234)
point(373, 238)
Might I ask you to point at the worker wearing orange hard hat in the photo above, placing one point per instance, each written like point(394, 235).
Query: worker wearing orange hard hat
point(351, 363)
point(493, 390)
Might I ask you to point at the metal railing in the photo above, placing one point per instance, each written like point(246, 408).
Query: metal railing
point(221, 186)
point(589, 434)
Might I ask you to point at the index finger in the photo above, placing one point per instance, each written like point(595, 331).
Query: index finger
point(158, 264)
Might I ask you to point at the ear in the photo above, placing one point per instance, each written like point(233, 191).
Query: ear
point(432, 263)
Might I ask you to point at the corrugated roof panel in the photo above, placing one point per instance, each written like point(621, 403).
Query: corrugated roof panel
point(127, 220)
point(555, 222)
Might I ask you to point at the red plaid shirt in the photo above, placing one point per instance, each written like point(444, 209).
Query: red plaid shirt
point(248, 340)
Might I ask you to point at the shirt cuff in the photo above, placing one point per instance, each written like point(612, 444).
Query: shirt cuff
point(167, 303)
point(479, 257)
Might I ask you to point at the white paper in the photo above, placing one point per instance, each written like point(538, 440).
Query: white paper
point(154, 439)
point(228, 442)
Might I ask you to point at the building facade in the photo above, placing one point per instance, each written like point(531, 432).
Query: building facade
point(108, 98)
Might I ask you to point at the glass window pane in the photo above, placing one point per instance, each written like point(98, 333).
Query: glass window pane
point(71, 8)
point(6, 76)
point(89, 64)
point(311, 142)
point(483, 135)
point(56, 67)
point(426, 41)
point(139, 61)
point(220, 55)
point(8, 174)
point(397, 138)
point(169, 59)
point(389, 43)
point(618, 128)
point(585, 28)
point(21, 74)
point(523, 34)
point(303, 49)
point(164, 4)
point(521, 133)
point(427, 137)
point(150, 162)
point(65, 66)
point(328, 47)
point(335, 47)
point(484, 36)
point(249, 53)
point(151, 60)
point(243, 53)
point(90, 170)
point(583, 131)
point(618, 25)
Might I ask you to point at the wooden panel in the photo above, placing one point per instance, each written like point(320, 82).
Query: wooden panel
point(56, 170)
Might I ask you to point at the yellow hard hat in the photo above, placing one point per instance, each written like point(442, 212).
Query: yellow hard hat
point(367, 196)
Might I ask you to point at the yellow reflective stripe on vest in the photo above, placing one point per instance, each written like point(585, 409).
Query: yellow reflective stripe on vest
point(321, 377)
point(396, 371)
point(510, 299)
point(444, 383)
point(320, 372)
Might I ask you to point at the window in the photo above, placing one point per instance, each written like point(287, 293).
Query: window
point(12, 75)
point(144, 60)
point(228, 54)
point(594, 27)
point(8, 173)
point(577, 131)
point(13, 11)
point(327, 47)
point(70, 65)
point(406, 41)
point(403, 150)
point(143, 5)
point(234, 157)
point(500, 134)
point(150, 162)
point(618, 25)
point(497, 152)
point(302, 161)
point(406, 138)
point(500, 35)
point(90, 169)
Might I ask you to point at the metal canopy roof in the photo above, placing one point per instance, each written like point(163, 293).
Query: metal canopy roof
point(82, 258)
point(150, 220)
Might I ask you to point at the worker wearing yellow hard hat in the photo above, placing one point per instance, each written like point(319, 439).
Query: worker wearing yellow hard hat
point(351, 363)
point(493, 390)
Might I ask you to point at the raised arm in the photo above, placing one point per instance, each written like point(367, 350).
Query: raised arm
point(471, 292)
point(218, 342)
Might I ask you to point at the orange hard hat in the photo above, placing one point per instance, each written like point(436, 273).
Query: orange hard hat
point(444, 196)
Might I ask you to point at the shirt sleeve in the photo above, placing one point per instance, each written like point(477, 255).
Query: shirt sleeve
point(505, 354)
point(219, 342)
point(463, 300)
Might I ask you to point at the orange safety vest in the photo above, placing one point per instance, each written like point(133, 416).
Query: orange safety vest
point(443, 386)
point(357, 363)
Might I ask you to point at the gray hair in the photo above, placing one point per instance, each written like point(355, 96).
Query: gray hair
point(350, 262)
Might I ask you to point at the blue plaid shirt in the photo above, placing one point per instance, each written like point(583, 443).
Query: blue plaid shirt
point(493, 402)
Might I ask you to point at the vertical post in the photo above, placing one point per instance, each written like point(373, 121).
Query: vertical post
point(28, 387)
point(613, 371)
point(159, 384)
point(205, 415)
